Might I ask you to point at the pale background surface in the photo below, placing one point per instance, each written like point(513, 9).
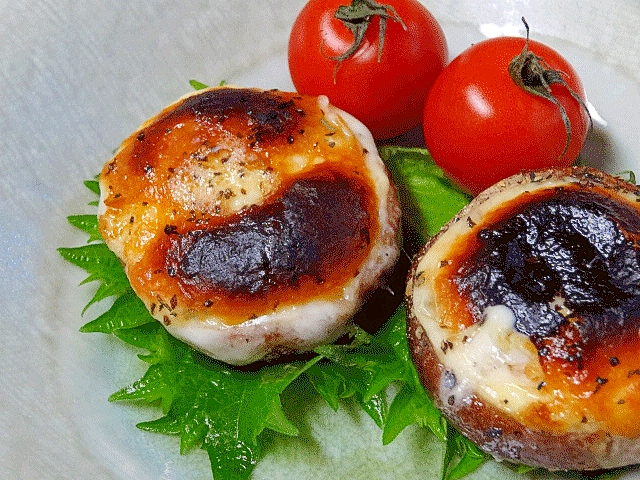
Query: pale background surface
point(75, 79)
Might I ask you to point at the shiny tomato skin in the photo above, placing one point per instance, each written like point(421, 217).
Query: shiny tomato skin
point(387, 96)
point(480, 127)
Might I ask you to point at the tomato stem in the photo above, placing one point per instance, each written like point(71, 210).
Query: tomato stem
point(357, 17)
point(534, 75)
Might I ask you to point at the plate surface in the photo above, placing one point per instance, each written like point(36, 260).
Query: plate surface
point(75, 79)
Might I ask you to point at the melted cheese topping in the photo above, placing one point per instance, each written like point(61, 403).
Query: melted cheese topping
point(504, 368)
point(218, 157)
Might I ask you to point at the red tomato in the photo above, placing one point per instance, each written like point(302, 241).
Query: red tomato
point(386, 95)
point(480, 127)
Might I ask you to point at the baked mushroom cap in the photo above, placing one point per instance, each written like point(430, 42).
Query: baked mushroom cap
point(524, 318)
point(251, 223)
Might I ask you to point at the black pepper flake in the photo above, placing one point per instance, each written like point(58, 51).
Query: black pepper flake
point(148, 168)
point(284, 105)
point(131, 220)
point(171, 271)
point(170, 229)
point(153, 308)
point(140, 137)
point(117, 195)
point(166, 320)
point(208, 303)
point(470, 222)
point(446, 345)
point(144, 204)
point(541, 385)
point(632, 373)
point(600, 382)
point(614, 361)
point(443, 263)
point(290, 139)
point(584, 419)
point(451, 400)
point(621, 401)
point(494, 432)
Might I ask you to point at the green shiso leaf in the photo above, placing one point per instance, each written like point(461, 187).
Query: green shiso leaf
point(93, 185)
point(152, 337)
point(197, 85)
point(88, 224)
point(102, 265)
point(127, 311)
point(461, 457)
point(411, 405)
point(429, 199)
point(200, 86)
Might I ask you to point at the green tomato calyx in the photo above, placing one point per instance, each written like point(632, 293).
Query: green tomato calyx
point(357, 17)
point(531, 73)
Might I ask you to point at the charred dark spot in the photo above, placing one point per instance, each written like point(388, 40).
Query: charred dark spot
point(310, 231)
point(170, 229)
point(269, 114)
point(574, 245)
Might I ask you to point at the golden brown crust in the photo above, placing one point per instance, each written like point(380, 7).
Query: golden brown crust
point(492, 429)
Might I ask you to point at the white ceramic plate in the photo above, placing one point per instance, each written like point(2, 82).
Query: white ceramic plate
point(75, 79)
